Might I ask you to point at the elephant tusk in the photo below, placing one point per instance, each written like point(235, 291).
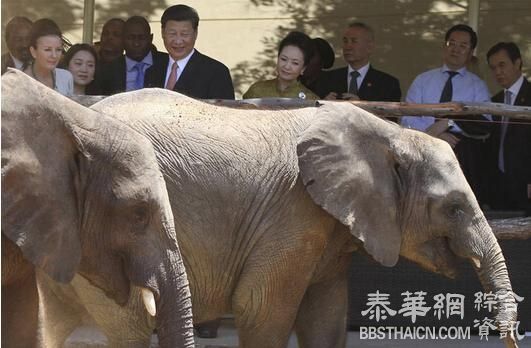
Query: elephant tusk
point(476, 262)
point(149, 301)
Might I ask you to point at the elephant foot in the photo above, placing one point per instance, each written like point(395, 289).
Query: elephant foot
point(207, 329)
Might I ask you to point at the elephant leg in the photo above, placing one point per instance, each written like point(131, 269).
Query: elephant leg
point(20, 299)
point(321, 321)
point(266, 301)
point(20, 308)
point(59, 311)
point(266, 330)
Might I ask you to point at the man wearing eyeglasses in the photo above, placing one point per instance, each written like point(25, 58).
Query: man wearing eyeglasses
point(185, 69)
point(453, 82)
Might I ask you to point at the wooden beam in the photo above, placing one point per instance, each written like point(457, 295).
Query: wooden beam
point(378, 108)
point(444, 109)
point(514, 228)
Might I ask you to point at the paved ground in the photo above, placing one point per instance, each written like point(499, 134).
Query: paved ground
point(90, 337)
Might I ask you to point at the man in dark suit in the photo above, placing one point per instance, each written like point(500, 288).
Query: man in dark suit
point(185, 70)
point(17, 42)
point(511, 138)
point(126, 73)
point(358, 80)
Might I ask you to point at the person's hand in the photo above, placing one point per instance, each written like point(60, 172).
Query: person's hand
point(331, 96)
point(449, 138)
point(349, 96)
point(439, 127)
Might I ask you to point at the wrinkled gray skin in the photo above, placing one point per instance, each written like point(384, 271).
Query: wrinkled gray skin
point(269, 206)
point(82, 193)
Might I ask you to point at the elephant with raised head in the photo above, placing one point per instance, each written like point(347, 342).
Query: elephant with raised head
point(83, 194)
point(269, 206)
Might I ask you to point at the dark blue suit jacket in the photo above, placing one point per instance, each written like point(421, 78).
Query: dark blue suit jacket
point(376, 86)
point(517, 156)
point(202, 78)
point(112, 77)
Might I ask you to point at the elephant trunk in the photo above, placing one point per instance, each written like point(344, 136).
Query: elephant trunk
point(493, 274)
point(174, 305)
point(490, 266)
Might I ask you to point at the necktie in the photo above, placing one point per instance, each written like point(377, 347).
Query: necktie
point(505, 123)
point(447, 91)
point(353, 86)
point(173, 76)
point(139, 81)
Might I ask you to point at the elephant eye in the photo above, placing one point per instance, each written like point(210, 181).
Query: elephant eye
point(140, 217)
point(454, 211)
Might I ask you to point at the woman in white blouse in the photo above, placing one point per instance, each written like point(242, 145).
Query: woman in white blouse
point(46, 48)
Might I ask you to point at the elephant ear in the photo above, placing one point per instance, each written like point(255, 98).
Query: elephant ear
point(42, 151)
point(346, 162)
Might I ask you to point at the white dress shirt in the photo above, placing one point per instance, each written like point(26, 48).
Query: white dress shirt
point(181, 64)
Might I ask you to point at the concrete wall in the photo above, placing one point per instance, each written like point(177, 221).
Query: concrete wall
point(244, 33)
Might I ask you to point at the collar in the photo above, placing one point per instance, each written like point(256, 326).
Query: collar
point(18, 63)
point(181, 63)
point(461, 71)
point(363, 70)
point(515, 88)
point(130, 63)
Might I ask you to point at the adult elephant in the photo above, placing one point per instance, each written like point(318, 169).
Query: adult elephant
point(82, 193)
point(269, 205)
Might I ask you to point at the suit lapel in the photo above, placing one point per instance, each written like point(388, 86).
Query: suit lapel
point(156, 74)
point(10, 61)
point(188, 73)
point(7, 62)
point(367, 82)
point(498, 98)
point(344, 78)
point(122, 78)
point(524, 95)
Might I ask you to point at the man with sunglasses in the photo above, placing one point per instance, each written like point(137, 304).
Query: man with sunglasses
point(453, 82)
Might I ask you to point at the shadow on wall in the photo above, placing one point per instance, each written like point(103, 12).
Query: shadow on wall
point(409, 33)
point(69, 14)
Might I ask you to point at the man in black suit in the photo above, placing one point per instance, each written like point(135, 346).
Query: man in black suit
point(358, 80)
point(185, 70)
point(17, 42)
point(511, 139)
point(126, 73)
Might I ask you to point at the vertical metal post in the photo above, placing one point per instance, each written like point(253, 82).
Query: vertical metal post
point(88, 21)
point(473, 14)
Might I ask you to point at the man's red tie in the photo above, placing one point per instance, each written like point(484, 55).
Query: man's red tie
point(173, 76)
